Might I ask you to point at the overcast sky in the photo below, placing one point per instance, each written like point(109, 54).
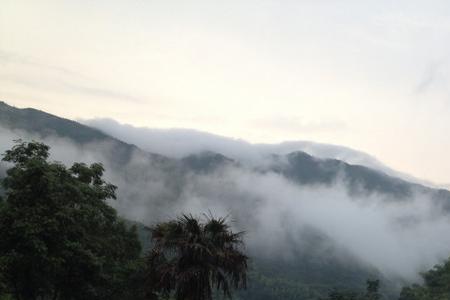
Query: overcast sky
point(371, 75)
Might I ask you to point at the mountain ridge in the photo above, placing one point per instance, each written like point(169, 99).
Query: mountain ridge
point(304, 168)
point(166, 183)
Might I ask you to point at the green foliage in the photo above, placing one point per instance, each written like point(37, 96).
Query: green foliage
point(436, 285)
point(339, 295)
point(372, 290)
point(190, 259)
point(60, 239)
point(372, 293)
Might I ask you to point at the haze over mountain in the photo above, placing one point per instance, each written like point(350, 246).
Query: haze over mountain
point(312, 223)
point(181, 142)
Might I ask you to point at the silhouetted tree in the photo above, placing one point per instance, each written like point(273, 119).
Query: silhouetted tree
point(190, 259)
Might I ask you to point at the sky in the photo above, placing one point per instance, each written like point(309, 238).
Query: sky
point(370, 75)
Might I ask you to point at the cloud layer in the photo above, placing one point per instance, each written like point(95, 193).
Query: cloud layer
point(178, 143)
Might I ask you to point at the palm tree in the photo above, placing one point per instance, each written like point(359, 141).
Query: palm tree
point(190, 258)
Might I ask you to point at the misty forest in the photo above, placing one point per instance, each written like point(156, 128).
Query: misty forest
point(85, 215)
point(224, 150)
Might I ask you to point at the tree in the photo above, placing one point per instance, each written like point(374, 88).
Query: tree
point(372, 287)
point(339, 295)
point(436, 285)
point(372, 293)
point(59, 237)
point(190, 259)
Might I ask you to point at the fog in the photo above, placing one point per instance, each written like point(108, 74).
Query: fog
point(399, 238)
point(178, 143)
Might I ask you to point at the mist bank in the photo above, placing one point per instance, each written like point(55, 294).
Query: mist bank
point(282, 218)
point(178, 143)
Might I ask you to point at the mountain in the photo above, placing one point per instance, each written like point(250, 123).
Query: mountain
point(300, 167)
point(178, 143)
point(153, 187)
point(205, 162)
point(306, 169)
point(36, 121)
point(45, 125)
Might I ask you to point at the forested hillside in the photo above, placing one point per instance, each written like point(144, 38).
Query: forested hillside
point(294, 261)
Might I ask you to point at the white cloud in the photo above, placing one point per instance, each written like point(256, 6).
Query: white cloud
point(182, 142)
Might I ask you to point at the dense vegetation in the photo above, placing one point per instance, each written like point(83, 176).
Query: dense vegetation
point(59, 237)
point(436, 285)
point(190, 259)
point(61, 240)
point(371, 293)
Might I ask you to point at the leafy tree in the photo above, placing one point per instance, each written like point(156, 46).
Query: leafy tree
point(436, 285)
point(190, 259)
point(60, 239)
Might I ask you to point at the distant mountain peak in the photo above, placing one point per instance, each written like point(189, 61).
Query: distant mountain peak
point(206, 161)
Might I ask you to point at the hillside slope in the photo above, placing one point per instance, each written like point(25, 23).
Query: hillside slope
point(152, 187)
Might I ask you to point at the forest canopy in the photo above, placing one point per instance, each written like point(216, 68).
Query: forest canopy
point(60, 238)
